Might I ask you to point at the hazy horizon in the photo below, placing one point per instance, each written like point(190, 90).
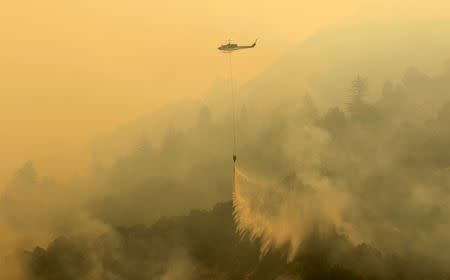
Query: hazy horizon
point(73, 71)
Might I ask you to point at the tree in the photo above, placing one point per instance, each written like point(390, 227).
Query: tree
point(309, 109)
point(204, 117)
point(358, 108)
point(334, 120)
point(26, 175)
point(358, 92)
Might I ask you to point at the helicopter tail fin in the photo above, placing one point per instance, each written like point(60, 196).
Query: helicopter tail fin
point(254, 44)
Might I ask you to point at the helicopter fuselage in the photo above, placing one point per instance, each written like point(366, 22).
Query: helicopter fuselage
point(234, 47)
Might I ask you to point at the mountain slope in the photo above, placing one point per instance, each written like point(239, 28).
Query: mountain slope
point(204, 245)
point(322, 66)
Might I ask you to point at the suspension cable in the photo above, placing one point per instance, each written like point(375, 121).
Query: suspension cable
point(233, 108)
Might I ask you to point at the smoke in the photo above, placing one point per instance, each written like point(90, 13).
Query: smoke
point(34, 211)
point(285, 212)
point(179, 266)
point(376, 172)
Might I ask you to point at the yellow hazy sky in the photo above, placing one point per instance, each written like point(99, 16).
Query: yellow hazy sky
point(73, 69)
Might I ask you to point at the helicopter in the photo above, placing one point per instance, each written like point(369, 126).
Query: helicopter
point(230, 47)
